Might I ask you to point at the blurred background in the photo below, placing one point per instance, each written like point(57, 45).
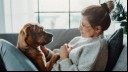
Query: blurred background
point(52, 14)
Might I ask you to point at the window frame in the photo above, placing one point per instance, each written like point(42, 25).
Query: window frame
point(69, 12)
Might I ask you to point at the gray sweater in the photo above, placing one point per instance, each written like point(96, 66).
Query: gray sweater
point(88, 54)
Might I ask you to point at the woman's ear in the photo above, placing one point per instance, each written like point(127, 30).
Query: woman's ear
point(98, 29)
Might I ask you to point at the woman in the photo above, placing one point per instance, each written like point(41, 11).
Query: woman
point(87, 52)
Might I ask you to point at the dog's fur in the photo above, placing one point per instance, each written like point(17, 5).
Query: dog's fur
point(30, 39)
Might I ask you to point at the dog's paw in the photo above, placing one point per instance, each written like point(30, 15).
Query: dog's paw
point(56, 57)
point(52, 61)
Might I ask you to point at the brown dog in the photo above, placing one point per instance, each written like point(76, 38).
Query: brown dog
point(30, 39)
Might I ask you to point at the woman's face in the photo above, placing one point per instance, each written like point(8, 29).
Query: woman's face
point(85, 28)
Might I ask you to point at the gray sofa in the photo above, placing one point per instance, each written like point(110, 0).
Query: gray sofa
point(62, 36)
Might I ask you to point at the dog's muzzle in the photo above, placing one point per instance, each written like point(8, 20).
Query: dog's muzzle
point(48, 38)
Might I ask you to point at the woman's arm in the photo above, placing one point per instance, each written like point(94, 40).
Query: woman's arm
point(64, 51)
point(85, 59)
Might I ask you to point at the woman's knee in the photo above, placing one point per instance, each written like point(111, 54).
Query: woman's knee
point(5, 44)
point(2, 41)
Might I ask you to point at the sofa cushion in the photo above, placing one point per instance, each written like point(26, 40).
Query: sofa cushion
point(11, 37)
point(121, 64)
point(115, 46)
point(62, 36)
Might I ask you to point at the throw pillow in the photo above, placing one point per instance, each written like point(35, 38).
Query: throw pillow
point(115, 46)
point(62, 36)
point(121, 64)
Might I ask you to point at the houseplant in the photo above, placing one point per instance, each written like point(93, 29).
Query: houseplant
point(120, 15)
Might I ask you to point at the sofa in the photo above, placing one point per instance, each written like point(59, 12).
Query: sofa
point(61, 36)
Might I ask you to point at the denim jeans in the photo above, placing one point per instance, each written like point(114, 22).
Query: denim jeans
point(14, 60)
point(2, 67)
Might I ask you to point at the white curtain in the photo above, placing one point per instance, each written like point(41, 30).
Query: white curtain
point(17, 13)
point(2, 27)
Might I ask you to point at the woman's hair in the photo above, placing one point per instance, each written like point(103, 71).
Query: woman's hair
point(98, 15)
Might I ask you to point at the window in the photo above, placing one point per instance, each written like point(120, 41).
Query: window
point(58, 14)
point(17, 14)
point(52, 14)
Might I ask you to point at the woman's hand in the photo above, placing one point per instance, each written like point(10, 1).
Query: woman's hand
point(64, 51)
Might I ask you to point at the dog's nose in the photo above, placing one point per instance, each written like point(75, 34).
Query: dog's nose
point(50, 35)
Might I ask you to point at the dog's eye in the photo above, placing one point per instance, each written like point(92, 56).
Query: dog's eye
point(41, 28)
point(40, 33)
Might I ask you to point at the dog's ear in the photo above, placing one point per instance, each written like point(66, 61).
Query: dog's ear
point(21, 43)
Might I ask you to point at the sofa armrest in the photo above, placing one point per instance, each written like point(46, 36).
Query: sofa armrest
point(11, 37)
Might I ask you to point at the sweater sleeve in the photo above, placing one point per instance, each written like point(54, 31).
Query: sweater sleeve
point(64, 65)
point(85, 60)
point(54, 51)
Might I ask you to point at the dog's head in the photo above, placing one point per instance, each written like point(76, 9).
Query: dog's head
point(33, 35)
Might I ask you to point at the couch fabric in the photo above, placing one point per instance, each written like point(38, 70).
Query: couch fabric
point(121, 64)
point(62, 36)
point(115, 46)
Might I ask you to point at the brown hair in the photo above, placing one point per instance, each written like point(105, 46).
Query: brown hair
point(97, 16)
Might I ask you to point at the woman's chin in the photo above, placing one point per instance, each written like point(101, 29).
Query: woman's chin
point(83, 36)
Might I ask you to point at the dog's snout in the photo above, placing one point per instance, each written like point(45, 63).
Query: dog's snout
point(50, 35)
point(48, 38)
